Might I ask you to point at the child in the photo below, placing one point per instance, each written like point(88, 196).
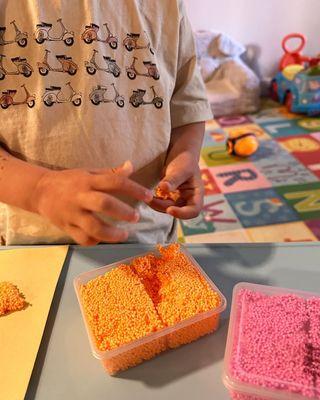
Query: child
point(97, 83)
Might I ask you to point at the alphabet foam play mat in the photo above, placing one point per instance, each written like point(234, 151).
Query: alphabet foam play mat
point(272, 196)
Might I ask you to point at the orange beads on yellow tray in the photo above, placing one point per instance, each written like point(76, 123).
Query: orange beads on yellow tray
point(10, 298)
point(135, 309)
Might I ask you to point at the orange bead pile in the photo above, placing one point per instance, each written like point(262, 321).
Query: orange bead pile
point(10, 298)
point(154, 292)
point(160, 194)
point(118, 308)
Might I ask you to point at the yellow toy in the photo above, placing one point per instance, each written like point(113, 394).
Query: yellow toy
point(243, 146)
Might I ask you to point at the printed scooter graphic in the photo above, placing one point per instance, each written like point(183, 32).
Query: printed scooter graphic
point(53, 95)
point(21, 64)
point(21, 38)
point(90, 35)
point(151, 68)
point(97, 96)
point(6, 100)
point(112, 67)
point(67, 65)
point(137, 98)
point(131, 42)
point(43, 33)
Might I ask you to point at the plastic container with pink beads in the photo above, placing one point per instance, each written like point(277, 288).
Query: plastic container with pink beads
point(273, 346)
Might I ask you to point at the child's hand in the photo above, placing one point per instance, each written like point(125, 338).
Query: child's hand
point(70, 200)
point(182, 174)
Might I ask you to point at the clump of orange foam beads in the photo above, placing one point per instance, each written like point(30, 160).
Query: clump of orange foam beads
point(160, 194)
point(10, 298)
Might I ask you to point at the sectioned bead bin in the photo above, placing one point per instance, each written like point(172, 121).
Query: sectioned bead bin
point(273, 346)
point(139, 307)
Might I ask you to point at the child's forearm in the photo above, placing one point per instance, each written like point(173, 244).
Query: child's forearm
point(18, 180)
point(187, 138)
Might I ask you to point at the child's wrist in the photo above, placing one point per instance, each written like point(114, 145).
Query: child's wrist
point(39, 190)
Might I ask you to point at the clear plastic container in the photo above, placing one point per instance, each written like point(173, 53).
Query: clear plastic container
point(245, 369)
point(145, 348)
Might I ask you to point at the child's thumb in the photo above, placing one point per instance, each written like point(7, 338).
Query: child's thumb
point(171, 182)
point(125, 169)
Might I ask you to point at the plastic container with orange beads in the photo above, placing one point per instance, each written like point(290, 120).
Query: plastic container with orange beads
point(139, 307)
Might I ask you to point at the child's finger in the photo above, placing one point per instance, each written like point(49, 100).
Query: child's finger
point(191, 210)
point(125, 169)
point(81, 237)
point(96, 228)
point(108, 205)
point(120, 184)
point(186, 212)
point(173, 181)
point(161, 205)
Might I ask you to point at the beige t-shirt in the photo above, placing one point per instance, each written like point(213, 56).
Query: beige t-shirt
point(115, 109)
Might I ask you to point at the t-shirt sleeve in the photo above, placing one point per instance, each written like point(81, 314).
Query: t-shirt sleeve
point(189, 103)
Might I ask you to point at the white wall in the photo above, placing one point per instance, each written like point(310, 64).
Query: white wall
point(261, 23)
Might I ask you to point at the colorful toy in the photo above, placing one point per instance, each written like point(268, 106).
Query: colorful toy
point(297, 84)
point(298, 88)
point(243, 145)
point(294, 57)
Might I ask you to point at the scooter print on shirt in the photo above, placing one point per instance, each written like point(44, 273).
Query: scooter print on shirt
point(43, 33)
point(53, 95)
point(90, 35)
point(131, 42)
point(152, 70)
point(98, 93)
point(112, 68)
point(21, 64)
point(21, 38)
point(7, 98)
point(67, 65)
point(137, 98)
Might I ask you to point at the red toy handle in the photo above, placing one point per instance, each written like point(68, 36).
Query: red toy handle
point(293, 56)
point(294, 36)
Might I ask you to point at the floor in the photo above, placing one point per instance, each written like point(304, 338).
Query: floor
point(273, 196)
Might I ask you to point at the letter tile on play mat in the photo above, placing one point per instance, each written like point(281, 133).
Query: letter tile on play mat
point(315, 169)
point(216, 215)
point(238, 236)
point(218, 155)
point(235, 131)
point(261, 207)
point(239, 177)
point(271, 115)
point(215, 137)
point(210, 184)
point(286, 171)
point(304, 148)
point(316, 135)
point(314, 225)
point(212, 125)
point(305, 199)
point(283, 128)
point(269, 151)
point(289, 232)
point(226, 122)
point(311, 124)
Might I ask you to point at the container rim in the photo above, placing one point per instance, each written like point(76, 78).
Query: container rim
point(236, 385)
point(103, 355)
